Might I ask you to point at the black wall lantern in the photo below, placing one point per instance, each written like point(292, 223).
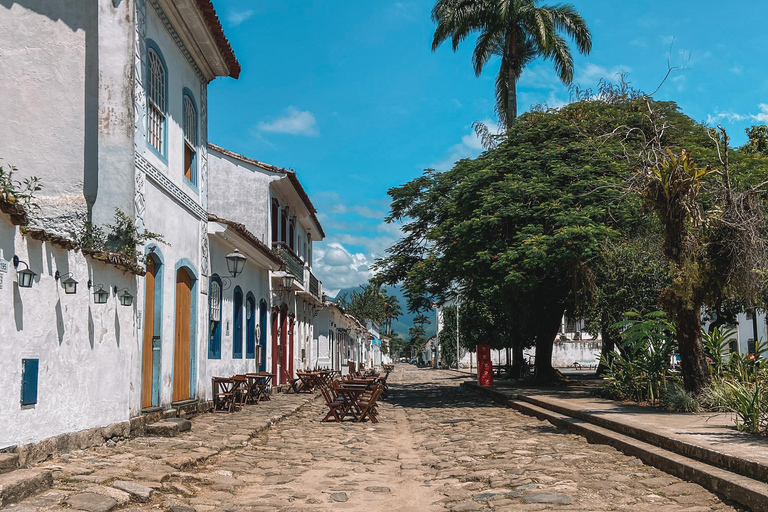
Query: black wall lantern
point(100, 295)
point(126, 299)
point(24, 277)
point(69, 284)
point(287, 282)
point(235, 263)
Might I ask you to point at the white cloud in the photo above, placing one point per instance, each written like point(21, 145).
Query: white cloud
point(294, 122)
point(362, 210)
point(237, 17)
point(732, 117)
point(639, 43)
point(737, 70)
point(337, 276)
point(469, 147)
point(592, 73)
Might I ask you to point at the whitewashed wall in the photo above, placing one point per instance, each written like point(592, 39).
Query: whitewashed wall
point(86, 351)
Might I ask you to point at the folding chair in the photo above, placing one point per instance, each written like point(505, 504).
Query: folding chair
point(367, 405)
point(223, 394)
point(294, 383)
point(335, 406)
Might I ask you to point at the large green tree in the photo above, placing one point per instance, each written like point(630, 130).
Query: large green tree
point(527, 222)
point(517, 31)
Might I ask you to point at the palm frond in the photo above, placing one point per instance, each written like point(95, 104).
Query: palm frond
point(567, 19)
point(489, 43)
point(561, 57)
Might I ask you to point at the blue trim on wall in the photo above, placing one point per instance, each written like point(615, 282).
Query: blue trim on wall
point(191, 183)
point(157, 256)
point(263, 320)
point(164, 155)
point(190, 269)
point(29, 372)
point(237, 323)
point(250, 329)
point(214, 338)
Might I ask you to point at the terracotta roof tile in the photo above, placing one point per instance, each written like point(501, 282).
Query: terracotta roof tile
point(214, 25)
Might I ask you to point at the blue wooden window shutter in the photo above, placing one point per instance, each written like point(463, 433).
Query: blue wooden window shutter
point(29, 368)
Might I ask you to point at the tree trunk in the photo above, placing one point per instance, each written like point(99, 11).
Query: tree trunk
point(692, 358)
point(517, 358)
point(545, 340)
point(511, 83)
point(609, 343)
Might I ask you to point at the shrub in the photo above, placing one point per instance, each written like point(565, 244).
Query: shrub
point(748, 401)
point(676, 398)
point(121, 238)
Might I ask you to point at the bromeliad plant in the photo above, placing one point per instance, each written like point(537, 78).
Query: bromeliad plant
point(640, 371)
point(716, 346)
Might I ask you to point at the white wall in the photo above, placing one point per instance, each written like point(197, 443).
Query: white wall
point(67, 106)
point(86, 350)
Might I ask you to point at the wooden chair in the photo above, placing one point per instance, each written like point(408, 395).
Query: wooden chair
point(335, 406)
point(241, 391)
point(223, 394)
point(367, 405)
point(295, 384)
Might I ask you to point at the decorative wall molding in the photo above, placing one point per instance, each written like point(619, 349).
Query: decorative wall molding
point(139, 110)
point(154, 174)
point(175, 36)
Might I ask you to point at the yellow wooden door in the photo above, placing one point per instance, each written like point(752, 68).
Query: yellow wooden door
point(182, 341)
point(149, 331)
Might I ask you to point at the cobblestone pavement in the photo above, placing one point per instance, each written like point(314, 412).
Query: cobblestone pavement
point(437, 447)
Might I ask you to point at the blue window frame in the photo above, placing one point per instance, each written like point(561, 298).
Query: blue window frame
point(157, 100)
point(237, 324)
point(250, 333)
point(29, 371)
point(190, 138)
point(214, 307)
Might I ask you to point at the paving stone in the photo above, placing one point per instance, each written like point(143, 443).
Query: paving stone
point(339, 496)
point(91, 502)
point(547, 497)
point(138, 491)
point(377, 489)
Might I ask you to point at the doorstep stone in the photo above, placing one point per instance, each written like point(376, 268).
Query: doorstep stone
point(168, 427)
point(8, 462)
point(17, 485)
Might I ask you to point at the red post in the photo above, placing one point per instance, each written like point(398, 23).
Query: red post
point(484, 366)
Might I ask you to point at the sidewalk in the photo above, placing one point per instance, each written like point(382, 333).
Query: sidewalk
point(133, 469)
point(702, 447)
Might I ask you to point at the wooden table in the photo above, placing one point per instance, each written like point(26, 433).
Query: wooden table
point(223, 394)
point(349, 394)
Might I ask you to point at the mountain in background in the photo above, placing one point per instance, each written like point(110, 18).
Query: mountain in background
point(405, 322)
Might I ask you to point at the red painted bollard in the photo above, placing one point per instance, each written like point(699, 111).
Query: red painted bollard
point(484, 365)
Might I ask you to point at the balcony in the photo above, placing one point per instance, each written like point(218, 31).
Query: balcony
point(314, 286)
point(293, 263)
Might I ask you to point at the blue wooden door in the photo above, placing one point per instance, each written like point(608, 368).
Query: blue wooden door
point(263, 334)
point(237, 329)
point(250, 330)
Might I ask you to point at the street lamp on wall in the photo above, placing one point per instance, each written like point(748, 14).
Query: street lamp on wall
point(126, 299)
point(100, 295)
point(25, 277)
point(235, 263)
point(287, 282)
point(69, 284)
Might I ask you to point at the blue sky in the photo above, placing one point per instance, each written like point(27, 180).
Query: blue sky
point(350, 95)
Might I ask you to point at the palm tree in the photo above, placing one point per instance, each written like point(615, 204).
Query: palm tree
point(518, 31)
point(392, 311)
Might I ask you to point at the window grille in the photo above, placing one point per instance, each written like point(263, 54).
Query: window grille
point(156, 96)
point(190, 138)
point(215, 301)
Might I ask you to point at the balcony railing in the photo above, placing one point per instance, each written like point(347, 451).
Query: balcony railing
point(314, 285)
point(292, 262)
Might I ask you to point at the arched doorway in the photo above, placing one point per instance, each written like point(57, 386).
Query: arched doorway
point(250, 326)
point(184, 331)
point(283, 348)
point(152, 342)
point(263, 335)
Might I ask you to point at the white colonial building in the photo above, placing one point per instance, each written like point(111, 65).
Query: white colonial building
point(106, 103)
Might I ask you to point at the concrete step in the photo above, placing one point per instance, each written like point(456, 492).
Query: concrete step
point(8, 462)
point(18, 484)
point(168, 427)
point(748, 468)
point(741, 489)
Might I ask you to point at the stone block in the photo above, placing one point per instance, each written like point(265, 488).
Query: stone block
point(140, 492)
point(17, 485)
point(168, 427)
point(8, 462)
point(91, 502)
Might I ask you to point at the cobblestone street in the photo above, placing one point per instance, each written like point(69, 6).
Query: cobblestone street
point(437, 447)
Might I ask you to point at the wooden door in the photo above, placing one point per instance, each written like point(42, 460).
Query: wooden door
point(149, 332)
point(182, 337)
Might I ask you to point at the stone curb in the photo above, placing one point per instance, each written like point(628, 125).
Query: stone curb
point(22, 483)
point(739, 488)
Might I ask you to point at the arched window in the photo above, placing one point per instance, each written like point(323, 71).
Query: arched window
point(214, 304)
point(190, 139)
point(250, 329)
point(156, 88)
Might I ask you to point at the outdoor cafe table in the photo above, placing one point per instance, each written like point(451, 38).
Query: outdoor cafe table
point(263, 384)
point(310, 380)
point(350, 394)
point(257, 387)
